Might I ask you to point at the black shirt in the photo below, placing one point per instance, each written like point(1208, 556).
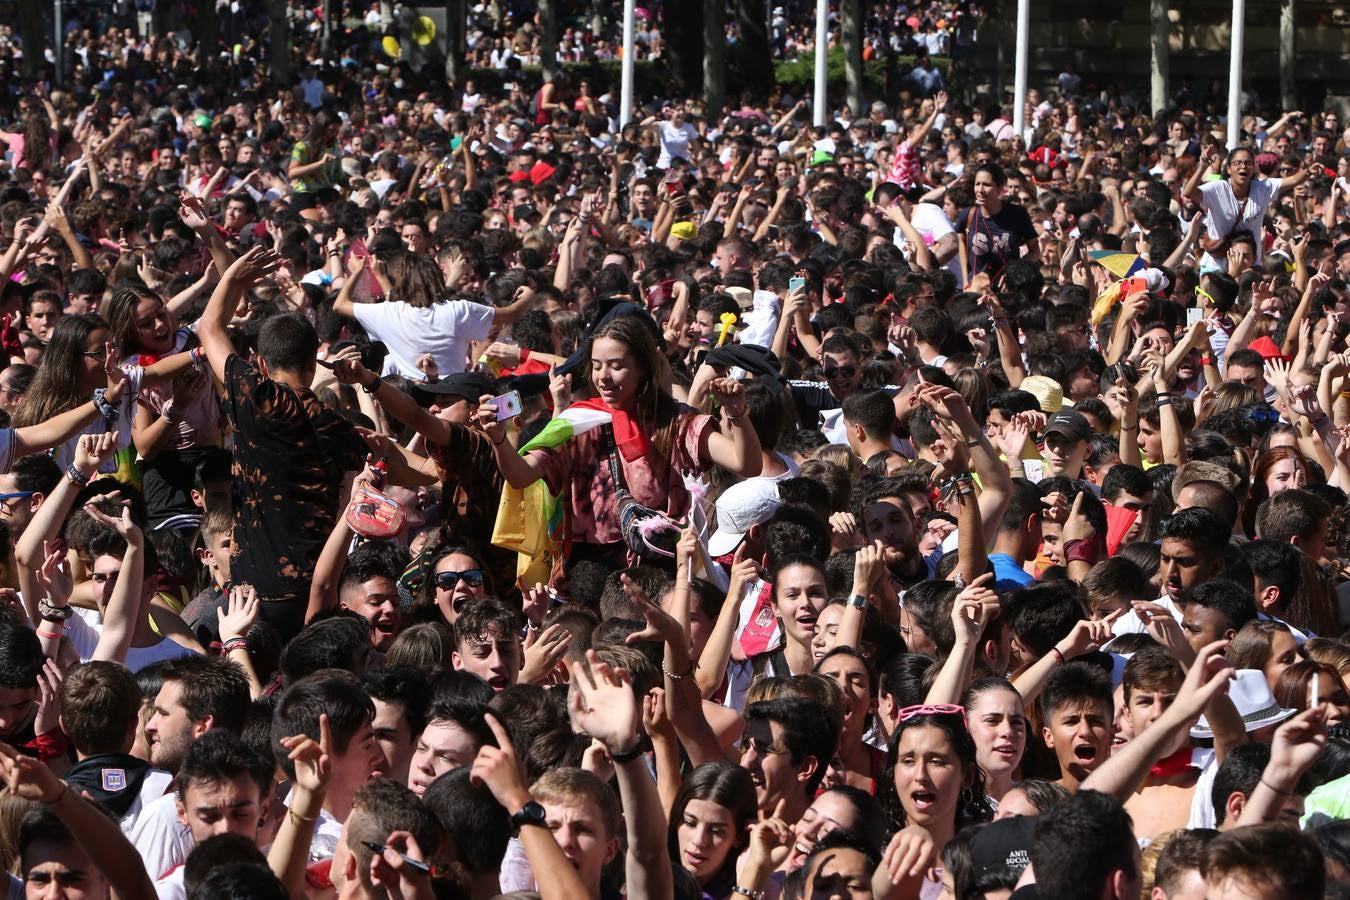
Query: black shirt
point(290, 454)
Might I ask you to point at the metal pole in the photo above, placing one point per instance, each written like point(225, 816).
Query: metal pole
point(626, 72)
point(822, 52)
point(1235, 72)
point(1020, 68)
point(57, 43)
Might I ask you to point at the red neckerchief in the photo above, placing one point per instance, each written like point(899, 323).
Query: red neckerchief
point(1172, 765)
point(628, 436)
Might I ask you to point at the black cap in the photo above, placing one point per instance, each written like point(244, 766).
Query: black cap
point(1070, 424)
point(1003, 844)
point(469, 385)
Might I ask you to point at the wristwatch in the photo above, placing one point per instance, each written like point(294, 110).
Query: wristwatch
point(858, 601)
point(529, 814)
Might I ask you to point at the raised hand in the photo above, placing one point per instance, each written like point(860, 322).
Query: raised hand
point(560, 389)
point(908, 857)
point(543, 653)
point(973, 608)
point(93, 450)
point(240, 612)
point(28, 777)
point(123, 524)
point(49, 698)
point(312, 759)
point(730, 395)
point(869, 564)
point(499, 767)
point(661, 625)
point(770, 840)
point(484, 420)
point(253, 266)
point(603, 705)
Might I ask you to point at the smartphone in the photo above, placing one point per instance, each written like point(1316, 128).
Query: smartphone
point(1193, 314)
point(508, 405)
point(796, 283)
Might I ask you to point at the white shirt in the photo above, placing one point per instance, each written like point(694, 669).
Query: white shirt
point(84, 629)
point(162, 841)
point(443, 330)
point(1130, 623)
point(1222, 209)
point(171, 886)
point(675, 142)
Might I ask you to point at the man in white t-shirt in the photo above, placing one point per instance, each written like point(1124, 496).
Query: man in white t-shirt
point(929, 221)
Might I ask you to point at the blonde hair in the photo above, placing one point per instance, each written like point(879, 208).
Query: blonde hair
point(571, 785)
point(842, 456)
point(1328, 651)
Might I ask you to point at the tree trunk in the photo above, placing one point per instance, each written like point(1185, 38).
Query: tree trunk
point(34, 36)
point(279, 40)
point(714, 58)
point(752, 20)
point(850, 24)
point(684, 45)
point(1288, 80)
point(548, 39)
point(1159, 61)
point(455, 69)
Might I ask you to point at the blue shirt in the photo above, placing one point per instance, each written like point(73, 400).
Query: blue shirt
point(1008, 575)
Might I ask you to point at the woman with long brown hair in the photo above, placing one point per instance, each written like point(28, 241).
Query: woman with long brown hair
point(656, 439)
point(1278, 469)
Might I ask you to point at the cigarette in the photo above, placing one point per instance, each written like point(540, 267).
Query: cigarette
point(1316, 685)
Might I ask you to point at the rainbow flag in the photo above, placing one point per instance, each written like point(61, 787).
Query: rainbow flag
point(1117, 262)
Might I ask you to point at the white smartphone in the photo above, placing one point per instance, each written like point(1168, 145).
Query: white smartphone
point(508, 405)
point(1193, 314)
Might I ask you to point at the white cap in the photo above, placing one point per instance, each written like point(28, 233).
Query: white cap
point(740, 508)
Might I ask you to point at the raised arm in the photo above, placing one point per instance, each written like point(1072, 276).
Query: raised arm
point(1128, 767)
point(289, 854)
point(92, 829)
point(603, 705)
point(124, 603)
point(971, 611)
point(499, 768)
point(239, 277)
point(735, 445)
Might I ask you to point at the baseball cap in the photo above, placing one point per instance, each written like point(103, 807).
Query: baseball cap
point(469, 385)
point(1069, 424)
point(741, 507)
point(1003, 844)
point(684, 230)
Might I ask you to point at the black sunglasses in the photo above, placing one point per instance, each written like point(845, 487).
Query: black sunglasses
point(840, 372)
point(446, 581)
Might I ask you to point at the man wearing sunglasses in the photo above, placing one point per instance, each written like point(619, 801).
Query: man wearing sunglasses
point(24, 488)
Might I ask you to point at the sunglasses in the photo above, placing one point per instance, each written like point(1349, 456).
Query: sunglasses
point(447, 580)
point(932, 709)
point(840, 372)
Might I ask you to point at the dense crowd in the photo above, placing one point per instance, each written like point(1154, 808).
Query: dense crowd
point(413, 491)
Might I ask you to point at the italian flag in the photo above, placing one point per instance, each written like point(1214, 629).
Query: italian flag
point(571, 422)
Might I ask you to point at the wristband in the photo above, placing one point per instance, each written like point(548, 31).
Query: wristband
point(1058, 654)
point(196, 354)
point(50, 612)
point(1275, 789)
point(100, 400)
point(746, 892)
point(234, 644)
point(372, 385)
point(1080, 550)
point(1162, 400)
point(77, 476)
point(53, 635)
point(629, 755)
point(858, 601)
